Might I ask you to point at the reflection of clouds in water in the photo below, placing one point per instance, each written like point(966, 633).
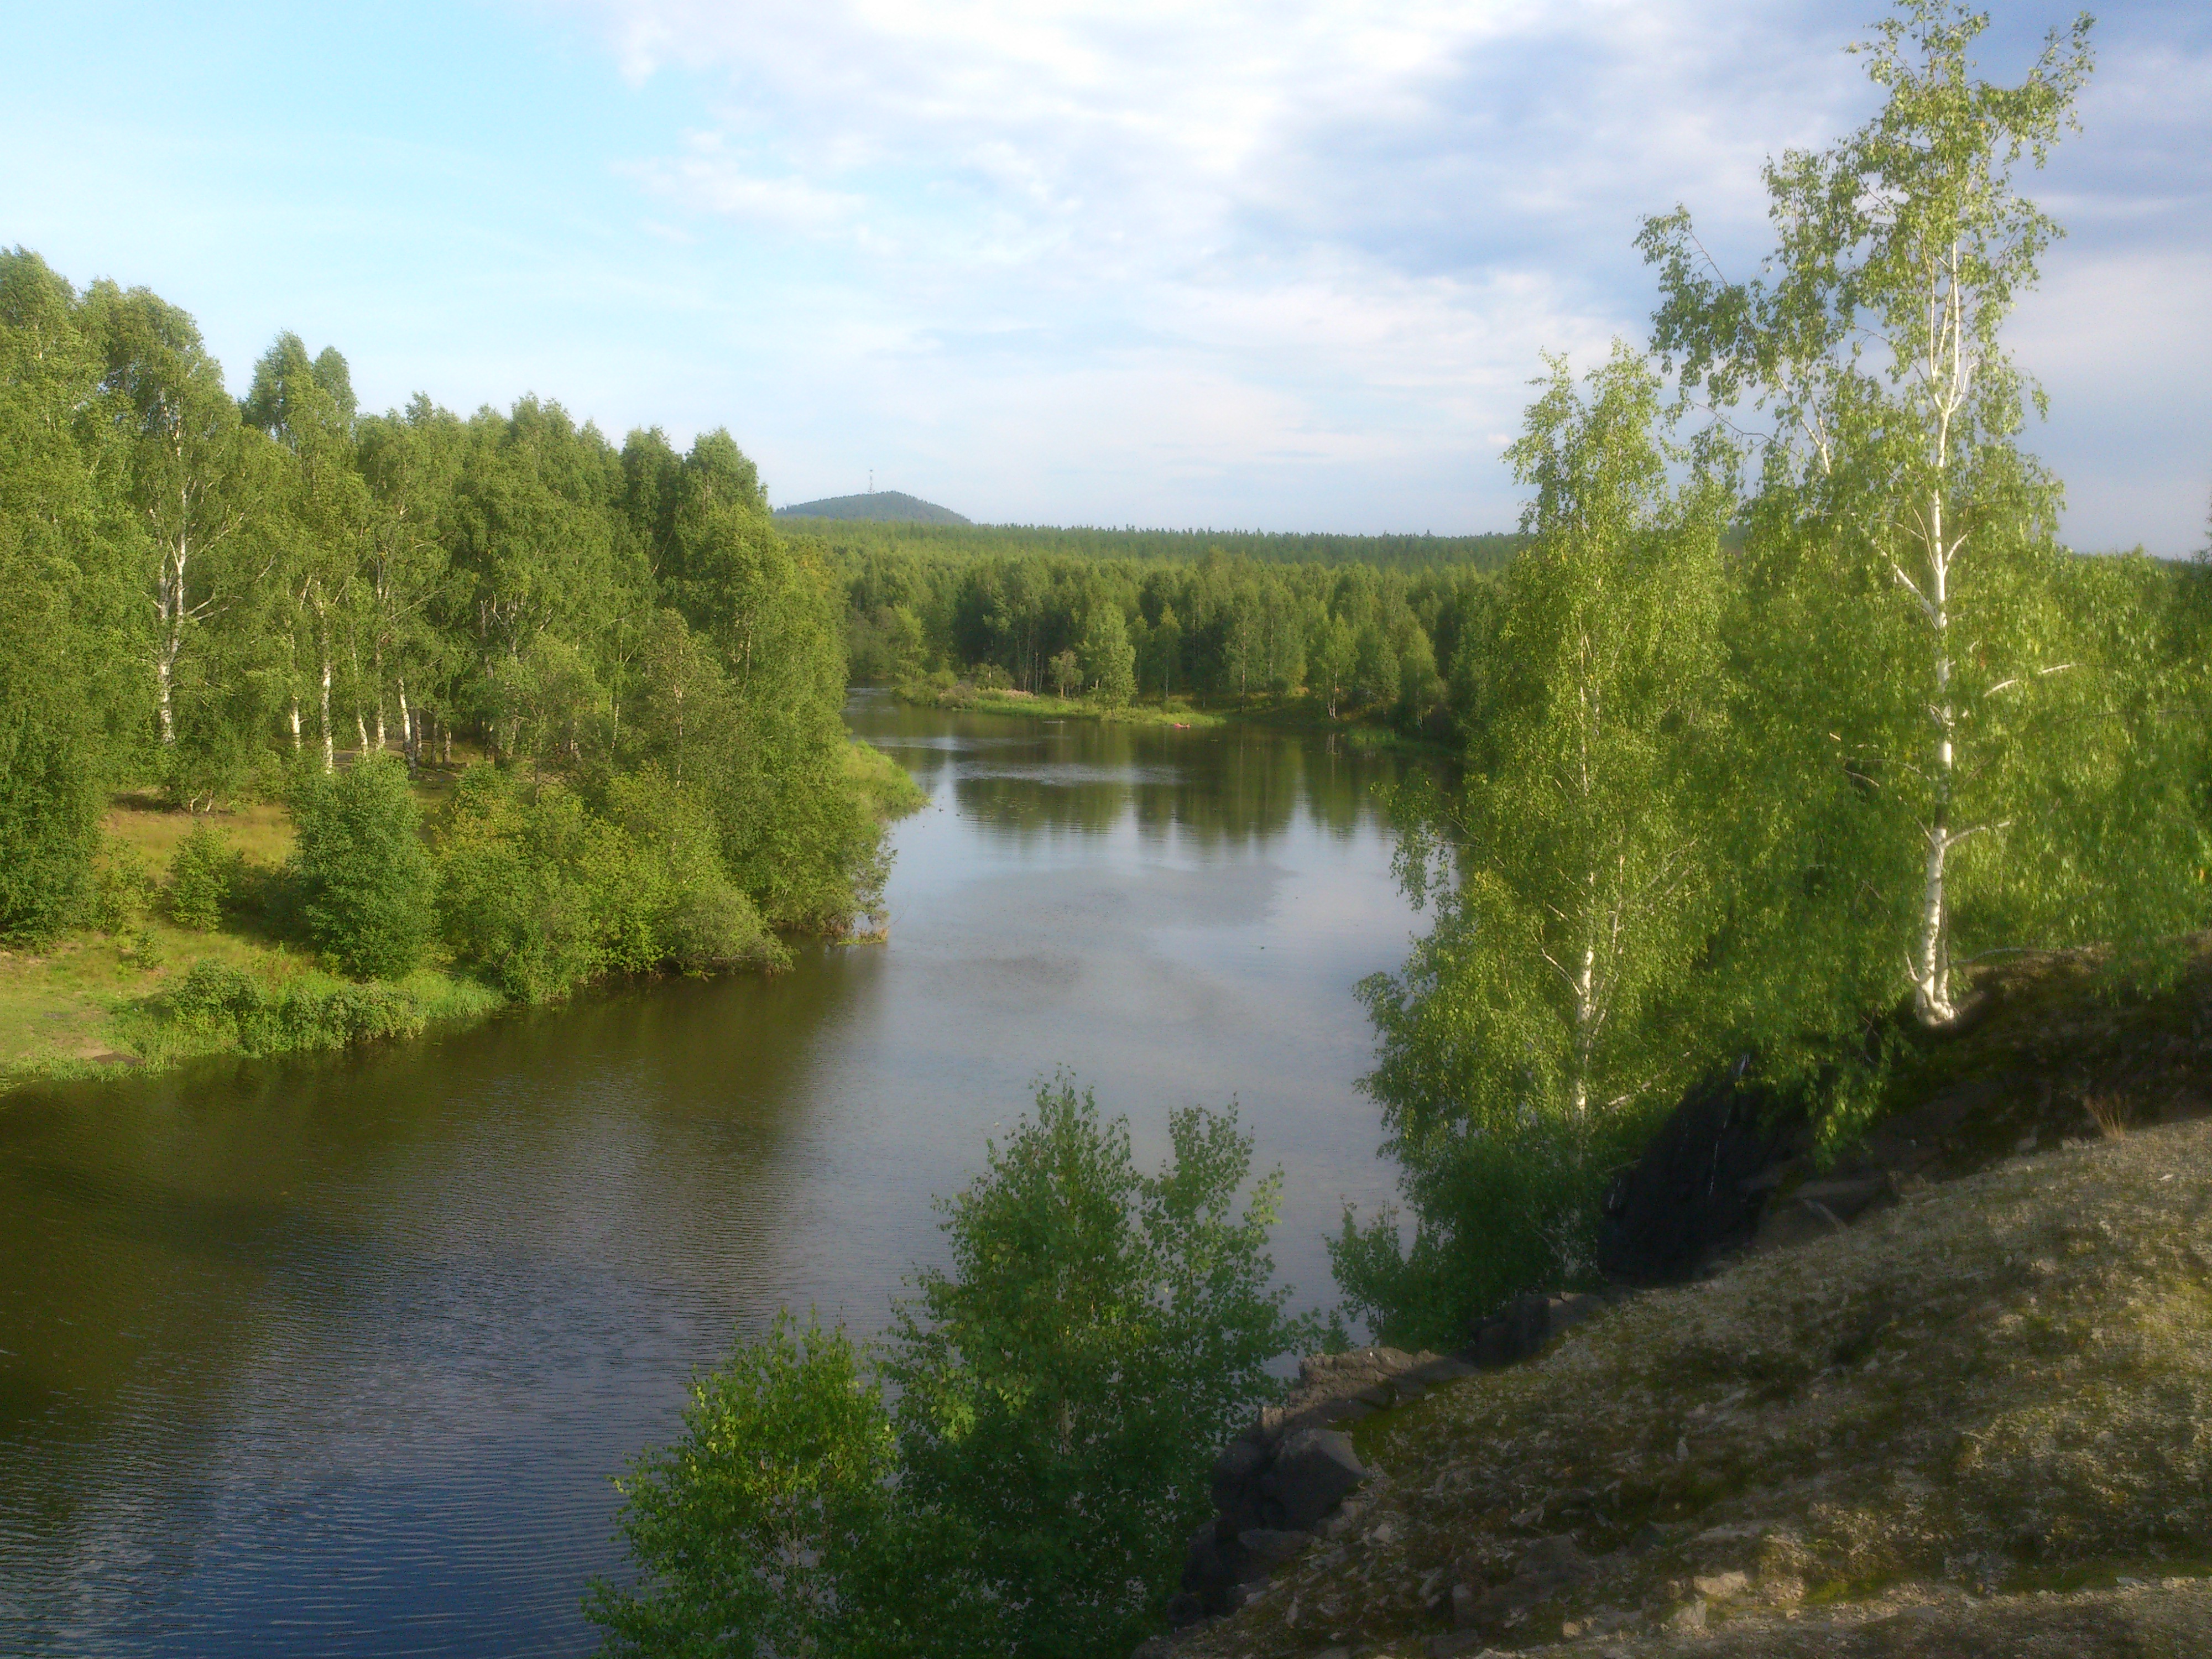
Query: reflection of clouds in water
point(953, 744)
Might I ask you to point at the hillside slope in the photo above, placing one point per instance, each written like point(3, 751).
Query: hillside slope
point(1979, 1422)
point(878, 507)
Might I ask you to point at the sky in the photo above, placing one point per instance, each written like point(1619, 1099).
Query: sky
point(1282, 265)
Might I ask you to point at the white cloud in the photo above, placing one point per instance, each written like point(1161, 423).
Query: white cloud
point(1349, 228)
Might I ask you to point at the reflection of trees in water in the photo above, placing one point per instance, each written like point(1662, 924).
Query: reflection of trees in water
point(1228, 788)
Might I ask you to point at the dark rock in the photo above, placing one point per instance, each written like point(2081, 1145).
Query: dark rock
point(1266, 1549)
point(1692, 1193)
point(1557, 1561)
point(1314, 1471)
point(1527, 1325)
point(1207, 1568)
point(1233, 1470)
point(1506, 1338)
point(1847, 1200)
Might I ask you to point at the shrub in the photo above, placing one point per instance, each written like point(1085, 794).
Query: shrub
point(49, 829)
point(122, 888)
point(1060, 1392)
point(203, 873)
point(539, 892)
point(366, 875)
point(218, 1000)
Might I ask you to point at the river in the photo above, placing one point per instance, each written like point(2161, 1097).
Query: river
point(336, 1357)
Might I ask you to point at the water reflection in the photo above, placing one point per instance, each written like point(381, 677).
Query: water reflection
point(335, 1356)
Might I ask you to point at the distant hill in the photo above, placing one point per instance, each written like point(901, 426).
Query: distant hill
point(881, 507)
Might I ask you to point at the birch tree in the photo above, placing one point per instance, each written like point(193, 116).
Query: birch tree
point(1903, 573)
point(1571, 876)
point(188, 471)
point(306, 407)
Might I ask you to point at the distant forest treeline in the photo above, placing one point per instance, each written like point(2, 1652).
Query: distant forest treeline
point(215, 595)
point(1015, 540)
point(1219, 626)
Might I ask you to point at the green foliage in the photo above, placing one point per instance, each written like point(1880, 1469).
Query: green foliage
point(1743, 808)
point(122, 888)
point(1060, 1390)
point(763, 1529)
point(363, 870)
point(1925, 687)
point(540, 892)
point(202, 872)
point(236, 1009)
point(1357, 634)
point(49, 827)
point(198, 586)
point(1554, 1005)
point(1109, 661)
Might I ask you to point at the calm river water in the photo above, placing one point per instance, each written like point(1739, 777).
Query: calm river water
point(337, 1357)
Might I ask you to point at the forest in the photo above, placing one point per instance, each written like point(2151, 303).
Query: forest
point(218, 601)
point(1225, 627)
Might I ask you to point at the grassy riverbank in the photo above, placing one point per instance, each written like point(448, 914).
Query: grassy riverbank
point(149, 990)
point(1300, 713)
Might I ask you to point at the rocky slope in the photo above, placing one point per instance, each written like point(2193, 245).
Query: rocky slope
point(1977, 1421)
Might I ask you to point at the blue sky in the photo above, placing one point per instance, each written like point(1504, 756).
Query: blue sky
point(1271, 264)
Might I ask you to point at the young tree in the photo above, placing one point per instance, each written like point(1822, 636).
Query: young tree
point(1332, 658)
point(1066, 672)
point(190, 469)
point(366, 873)
point(1902, 574)
point(1550, 1008)
point(1109, 661)
point(305, 405)
point(1062, 1390)
point(71, 681)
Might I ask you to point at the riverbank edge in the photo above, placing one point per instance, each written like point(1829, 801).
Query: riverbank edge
point(1301, 714)
point(131, 1030)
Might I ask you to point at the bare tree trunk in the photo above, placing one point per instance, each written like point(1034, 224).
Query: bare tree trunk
point(295, 722)
point(408, 742)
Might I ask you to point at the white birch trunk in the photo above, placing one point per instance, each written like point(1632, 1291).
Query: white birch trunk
point(330, 745)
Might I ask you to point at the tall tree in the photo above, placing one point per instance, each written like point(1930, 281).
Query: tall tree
point(1903, 568)
point(307, 406)
point(1552, 1005)
point(190, 469)
point(66, 636)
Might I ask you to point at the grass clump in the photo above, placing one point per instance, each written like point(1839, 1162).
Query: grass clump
point(220, 1008)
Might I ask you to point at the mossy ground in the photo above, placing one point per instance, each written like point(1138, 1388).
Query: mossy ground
point(1996, 1396)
